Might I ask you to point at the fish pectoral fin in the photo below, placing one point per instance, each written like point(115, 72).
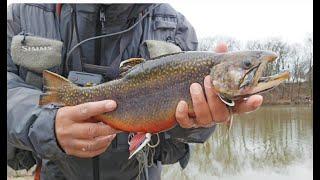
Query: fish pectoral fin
point(128, 64)
point(137, 142)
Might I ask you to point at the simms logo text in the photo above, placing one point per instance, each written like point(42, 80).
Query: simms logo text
point(36, 48)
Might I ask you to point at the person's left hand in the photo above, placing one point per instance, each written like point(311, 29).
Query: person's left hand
point(213, 110)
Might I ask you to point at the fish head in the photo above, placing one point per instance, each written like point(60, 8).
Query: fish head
point(239, 74)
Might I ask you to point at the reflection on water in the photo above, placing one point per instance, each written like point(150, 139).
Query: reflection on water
point(272, 142)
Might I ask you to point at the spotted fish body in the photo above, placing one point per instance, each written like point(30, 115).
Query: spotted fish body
point(147, 96)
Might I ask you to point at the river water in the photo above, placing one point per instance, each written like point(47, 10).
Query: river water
point(274, 142)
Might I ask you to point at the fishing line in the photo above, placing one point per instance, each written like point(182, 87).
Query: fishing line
point(130, 136)
point(107, 35)
point(231, 118)
point(144, 161)
point(229, 103)
point(158, 142)
point(142, 158)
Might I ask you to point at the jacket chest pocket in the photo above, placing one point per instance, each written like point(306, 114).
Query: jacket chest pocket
point(164, 28)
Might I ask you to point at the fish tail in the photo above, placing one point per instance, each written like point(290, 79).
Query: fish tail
point(51, 84)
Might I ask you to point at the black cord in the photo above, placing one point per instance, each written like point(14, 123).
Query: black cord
point(107, 35)
point(77, 35)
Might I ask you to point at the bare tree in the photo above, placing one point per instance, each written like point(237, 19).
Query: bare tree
point(309, 57)
point(208, 44)
point(272, 44)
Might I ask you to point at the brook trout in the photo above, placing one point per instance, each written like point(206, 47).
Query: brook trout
point(147, 96)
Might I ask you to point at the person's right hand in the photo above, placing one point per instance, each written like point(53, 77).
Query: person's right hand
point(78, 134)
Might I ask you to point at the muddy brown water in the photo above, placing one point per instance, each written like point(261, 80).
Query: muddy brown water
point(274, 142)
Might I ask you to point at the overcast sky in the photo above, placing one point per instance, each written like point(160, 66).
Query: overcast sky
point(246, 19)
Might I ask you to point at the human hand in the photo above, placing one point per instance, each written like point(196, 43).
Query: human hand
point(207, 113)
point(79, 134)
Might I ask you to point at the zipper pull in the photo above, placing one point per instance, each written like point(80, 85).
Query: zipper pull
point(23, 41)
point(102, 20)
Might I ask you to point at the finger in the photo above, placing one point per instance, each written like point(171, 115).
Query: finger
point(182, 115)
point(92, 120)
point(90, 145)
point(83, 153)
point(221, 48)
point(90, 130)
point(249, 105)
point(200, 105)
point(219, 110)
point(84, 111)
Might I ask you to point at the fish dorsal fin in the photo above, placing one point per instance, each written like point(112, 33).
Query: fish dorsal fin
point(127, 65)
point(156, 49)
point(161, 48)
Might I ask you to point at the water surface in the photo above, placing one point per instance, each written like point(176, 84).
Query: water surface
point(274, 142)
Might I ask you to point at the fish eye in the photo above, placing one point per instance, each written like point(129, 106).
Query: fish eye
point(247, 64)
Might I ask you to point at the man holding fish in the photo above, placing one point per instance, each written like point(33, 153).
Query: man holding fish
point(65, 139)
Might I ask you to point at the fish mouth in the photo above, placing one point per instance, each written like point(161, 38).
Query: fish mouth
point(253, 82)
point(268, 83)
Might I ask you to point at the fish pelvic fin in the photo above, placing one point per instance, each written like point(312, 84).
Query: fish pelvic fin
point(52, 82)
point(137, 143)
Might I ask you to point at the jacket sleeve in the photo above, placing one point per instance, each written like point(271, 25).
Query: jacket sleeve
point(29, 127)
point(186, 38)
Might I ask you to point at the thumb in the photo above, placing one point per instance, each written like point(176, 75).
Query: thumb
point(84, 111)
point(221, 48)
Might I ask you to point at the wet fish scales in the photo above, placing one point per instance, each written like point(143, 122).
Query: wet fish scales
point(148, 95)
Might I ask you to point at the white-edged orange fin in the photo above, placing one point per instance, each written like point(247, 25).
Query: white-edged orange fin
point(137, 142)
